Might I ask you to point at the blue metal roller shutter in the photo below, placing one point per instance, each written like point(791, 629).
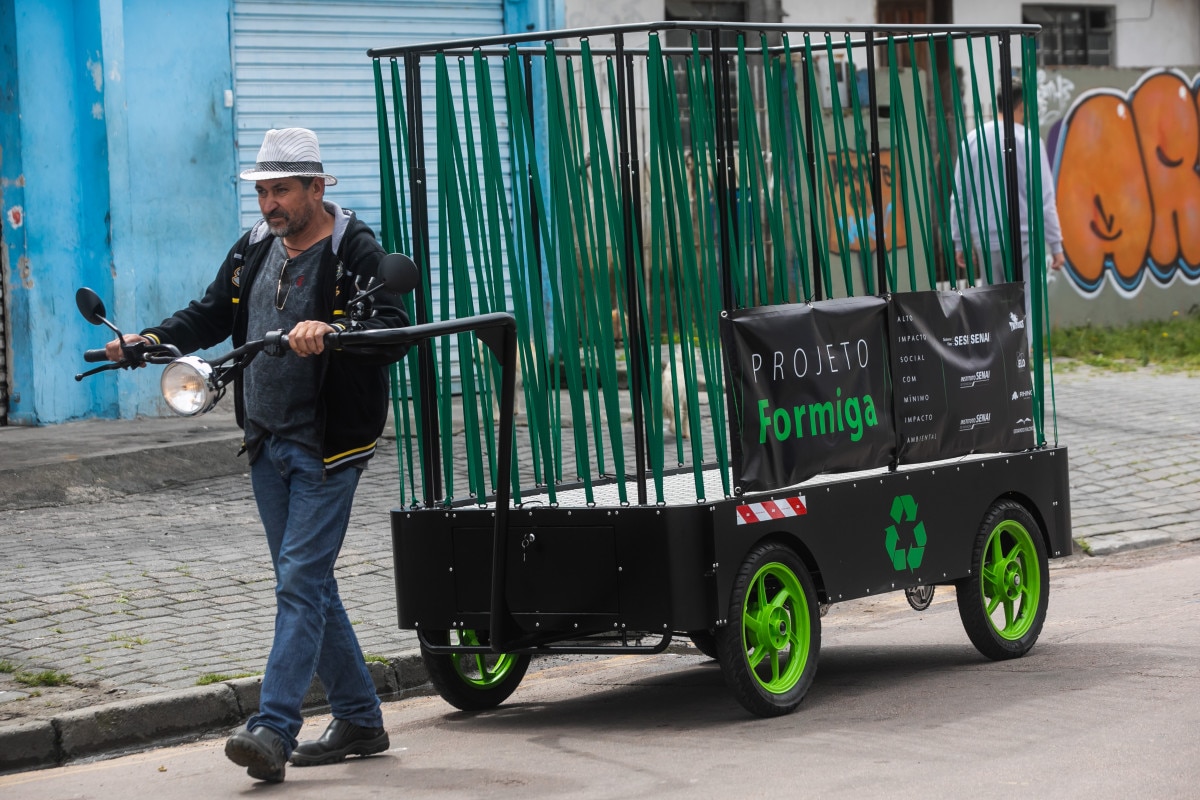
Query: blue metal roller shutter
point(304, 64)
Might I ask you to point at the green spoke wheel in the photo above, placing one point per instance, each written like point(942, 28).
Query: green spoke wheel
point(1003, 603)
point(768, 650)
point(473, 681)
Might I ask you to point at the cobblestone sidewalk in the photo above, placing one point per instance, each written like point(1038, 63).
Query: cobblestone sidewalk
point(153, 592)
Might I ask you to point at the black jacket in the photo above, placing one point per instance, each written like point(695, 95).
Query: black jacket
point(354, 386)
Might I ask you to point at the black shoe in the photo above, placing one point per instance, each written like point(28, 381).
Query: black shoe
point(340, 739)
point(261, 751)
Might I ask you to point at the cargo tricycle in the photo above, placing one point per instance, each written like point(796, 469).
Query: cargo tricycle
point(718, 324)
point(778, 341)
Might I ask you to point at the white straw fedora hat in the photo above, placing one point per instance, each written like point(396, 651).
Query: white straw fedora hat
point(289, 153)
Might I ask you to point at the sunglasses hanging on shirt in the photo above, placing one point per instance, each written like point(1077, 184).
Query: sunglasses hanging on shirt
point(279, 304)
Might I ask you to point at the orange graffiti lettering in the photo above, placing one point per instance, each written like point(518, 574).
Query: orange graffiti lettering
point(1165, 114)
point(1128, 181)
point(1103, 202)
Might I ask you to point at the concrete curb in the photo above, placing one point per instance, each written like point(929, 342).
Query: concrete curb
point(145, 722)
point(1109, 543)
point(72, 481)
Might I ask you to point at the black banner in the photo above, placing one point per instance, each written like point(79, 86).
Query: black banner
point(960, 362)
point(810, 390)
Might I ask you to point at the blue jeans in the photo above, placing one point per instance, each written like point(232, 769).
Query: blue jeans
point(305, 513)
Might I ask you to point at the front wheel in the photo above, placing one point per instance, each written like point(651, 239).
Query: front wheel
point(473, 681)
point(919, 597)
point(1003, 603)
point(769, 647)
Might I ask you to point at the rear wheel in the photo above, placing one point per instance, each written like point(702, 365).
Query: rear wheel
point(473, 681)
point(769, 648)
point(1003, 603)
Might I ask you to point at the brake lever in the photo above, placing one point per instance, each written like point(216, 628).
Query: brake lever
point(103, 368)
point(159, 353)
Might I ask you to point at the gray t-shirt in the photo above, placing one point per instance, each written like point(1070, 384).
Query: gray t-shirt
point(281, 394)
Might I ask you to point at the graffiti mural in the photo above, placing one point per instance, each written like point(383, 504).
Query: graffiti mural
point(1054, 95)
point(1128, 182)
point(854, 192)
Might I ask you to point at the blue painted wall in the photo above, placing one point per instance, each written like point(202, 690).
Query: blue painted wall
point(127, 165)
point(174, 150)
point(58, 244)
point(522, 16)
point(12, 182)
point(117, 147)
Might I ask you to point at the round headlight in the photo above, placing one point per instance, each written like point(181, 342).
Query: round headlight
point(187, 386)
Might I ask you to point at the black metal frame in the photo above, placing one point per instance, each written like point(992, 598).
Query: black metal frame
point(457, 45)
point(630, 171)
point(687, 556)
point(611, 572)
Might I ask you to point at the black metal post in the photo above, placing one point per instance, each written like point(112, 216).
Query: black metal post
point(637, 334)
point(1010, 160)
point(421, 254)
point(819, 289)
point(527, 61)
point(725, 197)
point(876, 170)
point(505, 348)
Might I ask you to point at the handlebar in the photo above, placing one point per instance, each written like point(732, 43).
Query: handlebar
point(135, 355)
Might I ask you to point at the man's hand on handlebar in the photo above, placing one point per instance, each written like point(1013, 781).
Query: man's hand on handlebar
point(308, 337)
point(113, 350)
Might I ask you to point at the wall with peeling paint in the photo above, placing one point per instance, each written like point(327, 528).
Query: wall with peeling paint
point(64, 208)
point(126, 162)
point(12, 191)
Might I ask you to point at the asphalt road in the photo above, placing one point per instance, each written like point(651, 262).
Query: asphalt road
point(1107, 705)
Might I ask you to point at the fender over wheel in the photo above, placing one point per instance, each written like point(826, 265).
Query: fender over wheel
point(769, 648)
point(1003, 603)
point(706, 643)
point(473, 681)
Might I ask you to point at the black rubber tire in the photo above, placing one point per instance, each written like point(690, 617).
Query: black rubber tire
point(920, 597)
point(1003, 603)
point(470, 682)
point(764, 675)
point(706, 643)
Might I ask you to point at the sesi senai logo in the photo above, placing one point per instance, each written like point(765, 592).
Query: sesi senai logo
point(974, 379)
point(971, 423)
point(966, 339)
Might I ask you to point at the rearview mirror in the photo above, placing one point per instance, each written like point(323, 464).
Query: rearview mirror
point(90, 306)
point(399, 273)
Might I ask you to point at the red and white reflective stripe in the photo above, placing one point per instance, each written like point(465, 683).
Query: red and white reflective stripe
point(771, 509)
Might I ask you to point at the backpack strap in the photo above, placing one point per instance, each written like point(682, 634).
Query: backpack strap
point(258, 233)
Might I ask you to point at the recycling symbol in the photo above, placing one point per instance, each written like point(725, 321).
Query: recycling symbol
point(904, 509)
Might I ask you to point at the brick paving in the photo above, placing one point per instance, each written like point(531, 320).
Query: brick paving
point(1134, 445)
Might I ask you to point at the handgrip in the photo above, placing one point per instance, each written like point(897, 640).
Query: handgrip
point(92, 356)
